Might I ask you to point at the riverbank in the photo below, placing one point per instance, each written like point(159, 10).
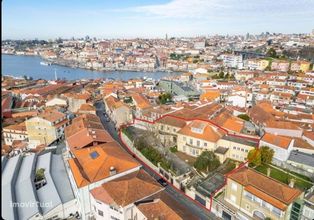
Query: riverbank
point(29, 65)
point(75, 64)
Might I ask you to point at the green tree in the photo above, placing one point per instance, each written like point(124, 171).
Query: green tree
point(207, 161)
point(244, 117)
point(254, 157)
point(221, 75)
point(40, 174)
point(266, 154)
point(271, 53)
point(164, 98)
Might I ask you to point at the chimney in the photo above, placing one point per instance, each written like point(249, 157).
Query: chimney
point(291, 182)
point(112, 171)
point(268, 172)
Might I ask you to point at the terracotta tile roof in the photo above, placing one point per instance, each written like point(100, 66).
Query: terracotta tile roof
point(86, 137)
point(172, 121)
point(84, 96)
point(309, 134)
point(300, 143)
point(282, 124)
point(210, 95)
point(93, 164)
point(140, 101)
point(51, 115)
point(158, 210)
point(278, 195)
point(127, 189)
point(207, 132)
point(173, 204)
point(113, 103)
point(277, 140)
point(229, 122)
point(17, 127)
point(102, 195)
point(87, 107)
point(83, 121)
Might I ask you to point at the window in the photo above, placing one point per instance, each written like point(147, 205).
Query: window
point(191, 141)
point(242, 149)
point(205, 144)
point(162, 127)
point(234, 148)
point(198, 143)
point(276, 211)
point(238, 148)
point(101, 213)
point(248, 195)
point(233, 198)
point(234, 186)
point(114, 218)
point(246, 151)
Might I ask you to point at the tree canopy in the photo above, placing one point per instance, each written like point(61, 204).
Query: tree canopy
point(207, 161)
point(254, 157)
point(164, 98)
point(266, 154)
point(271, 53)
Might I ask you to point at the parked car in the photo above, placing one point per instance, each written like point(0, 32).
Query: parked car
point(162, 182)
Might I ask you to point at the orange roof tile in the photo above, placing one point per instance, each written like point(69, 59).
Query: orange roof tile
point(158, 210)
point(207, 132)
point(277, 140)
point(93, 164)
point(210, 95)
point(140, 101)
point(127, 189)
point(279, 194)
point(172, 121)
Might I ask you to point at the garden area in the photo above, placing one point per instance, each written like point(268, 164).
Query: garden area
point(147, 151)
point(260, 160)
point(302, 183)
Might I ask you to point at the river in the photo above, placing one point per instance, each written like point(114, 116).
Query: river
point(30, 66)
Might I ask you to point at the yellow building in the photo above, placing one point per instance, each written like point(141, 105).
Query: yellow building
point(198, 136)
point(262, 64)
point(46, 127)
point(236, 148)
point(305, 66)
point(257, 196)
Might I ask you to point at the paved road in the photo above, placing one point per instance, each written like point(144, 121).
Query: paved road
point(196, 210)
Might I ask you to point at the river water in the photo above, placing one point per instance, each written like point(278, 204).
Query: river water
point(30, 66)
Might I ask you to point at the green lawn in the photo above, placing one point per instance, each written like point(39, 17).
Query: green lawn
point(284, 177)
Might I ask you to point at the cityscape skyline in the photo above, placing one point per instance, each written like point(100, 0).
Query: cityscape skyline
point(153, 19)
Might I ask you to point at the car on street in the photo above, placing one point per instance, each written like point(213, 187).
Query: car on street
point(162, 182)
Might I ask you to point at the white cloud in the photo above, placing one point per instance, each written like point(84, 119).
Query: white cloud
point(226, 9)
point(182, 8)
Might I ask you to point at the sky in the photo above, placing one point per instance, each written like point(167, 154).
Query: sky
point(47, 19)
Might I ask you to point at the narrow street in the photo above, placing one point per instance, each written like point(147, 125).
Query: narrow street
point(195, 209)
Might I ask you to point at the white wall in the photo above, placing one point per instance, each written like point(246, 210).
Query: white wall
point(280, 154)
